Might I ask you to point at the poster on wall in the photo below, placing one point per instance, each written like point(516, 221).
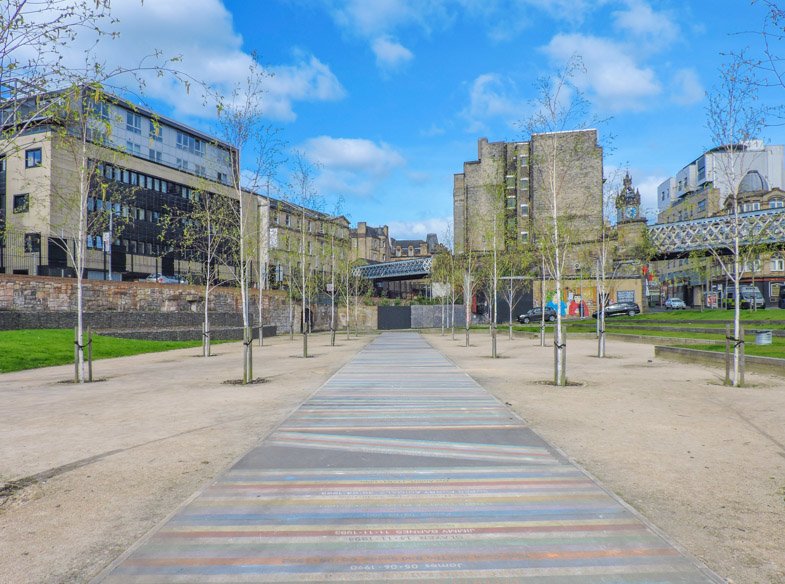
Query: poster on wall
point(774, 290)
point(625, 296)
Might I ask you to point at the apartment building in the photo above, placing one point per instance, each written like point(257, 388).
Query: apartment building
point(370, 243)
point(290, 226)
point(514, 179)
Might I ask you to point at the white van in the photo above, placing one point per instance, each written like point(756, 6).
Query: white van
point(749, 295)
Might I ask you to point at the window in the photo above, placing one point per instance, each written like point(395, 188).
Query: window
point(702, 206)
point(189, 143)
point(32, 242)
point(509, 181)
point(156, 155)
point(223, 178)
point(200, 170)
point(524, 209)
point(524, 236)
point(2, 164)
point(752, 265)
point(133, 122)
point(156, 131)
point(22, 203)
point(288, 220)
point(132, 148)
point(511, 200)
point(182, 164)
point(777, 263)
point(747, 207)
point(101, 110)
point(776, 203)
point(33, 158)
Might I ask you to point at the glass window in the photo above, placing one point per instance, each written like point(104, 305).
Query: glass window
point(524, 209)
point(133, 149)
point(22, 203)
point(777, 263)
point(32, 242)
point(156, 131)
point(132, 246)
point(190, 143)
point(33, 158)
point(155, 155)
point(101, 110)
point(133, 122)
point(524, 236)
point(776, 204)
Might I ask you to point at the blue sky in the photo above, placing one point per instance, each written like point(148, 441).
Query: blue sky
point(389, 97)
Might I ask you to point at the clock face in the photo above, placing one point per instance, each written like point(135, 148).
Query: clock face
point(631, 212)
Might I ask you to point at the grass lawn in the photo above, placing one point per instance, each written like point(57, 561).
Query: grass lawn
point(769, 314)
point(776, 349)
point(29, 349)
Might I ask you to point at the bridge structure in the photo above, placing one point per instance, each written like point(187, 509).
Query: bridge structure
point(412, 269)
point(670, 240)
point(673, 240)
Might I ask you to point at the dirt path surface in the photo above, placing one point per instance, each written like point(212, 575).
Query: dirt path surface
point(703, 462)
point(86, 471)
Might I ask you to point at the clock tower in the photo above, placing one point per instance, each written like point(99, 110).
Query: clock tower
point(628, 203)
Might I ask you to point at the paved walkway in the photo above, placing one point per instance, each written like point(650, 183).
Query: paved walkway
point(401, 467)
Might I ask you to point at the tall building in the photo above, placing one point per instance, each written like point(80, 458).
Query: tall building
point(517, 179)
point(718, 169)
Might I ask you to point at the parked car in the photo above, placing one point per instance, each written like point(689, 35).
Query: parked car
point(535, 315)
point(675, 304)
point(161, 279)
point(749, 295)
point(619, 308)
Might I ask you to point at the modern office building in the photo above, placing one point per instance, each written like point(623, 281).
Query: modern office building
point(721, 170)
point(139, 166)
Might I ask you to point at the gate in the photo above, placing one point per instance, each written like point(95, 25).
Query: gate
point(394, 317)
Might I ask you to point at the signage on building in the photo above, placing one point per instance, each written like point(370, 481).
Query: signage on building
point(625, 296)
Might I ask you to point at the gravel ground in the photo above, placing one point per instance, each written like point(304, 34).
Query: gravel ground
point(703, 462)
point(102, 464)
point(107, 462)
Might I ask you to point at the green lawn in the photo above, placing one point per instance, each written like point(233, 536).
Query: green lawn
point(28, 349)
point(769, 314)
point(776, 349)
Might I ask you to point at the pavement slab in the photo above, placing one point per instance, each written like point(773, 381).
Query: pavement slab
point(401, 467)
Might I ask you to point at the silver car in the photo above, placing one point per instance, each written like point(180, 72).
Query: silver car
point(675, 304)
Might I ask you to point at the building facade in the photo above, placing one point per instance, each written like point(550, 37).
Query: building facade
point(371, 244)
point(699, 279)
point(140, 167)
point(718, 169)
point(517, 184)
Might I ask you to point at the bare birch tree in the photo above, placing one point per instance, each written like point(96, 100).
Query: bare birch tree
point(734, 116)
point(239, 124)
point(560, 152)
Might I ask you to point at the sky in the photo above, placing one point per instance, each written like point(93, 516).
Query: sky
point(388, 98)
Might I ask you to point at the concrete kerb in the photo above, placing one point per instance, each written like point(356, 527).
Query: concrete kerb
point(767, 365)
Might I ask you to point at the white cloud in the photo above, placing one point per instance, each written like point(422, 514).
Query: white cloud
point(645, 25)
point(390, 54)
point(371, 19)
point(202, 33)
point(613, 80)
point(492, 96)
point(687, 87)
point(353, 166)
point(419, 229)
point(309, 80)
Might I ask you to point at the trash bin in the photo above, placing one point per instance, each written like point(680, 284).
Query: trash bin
point(762, 337)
